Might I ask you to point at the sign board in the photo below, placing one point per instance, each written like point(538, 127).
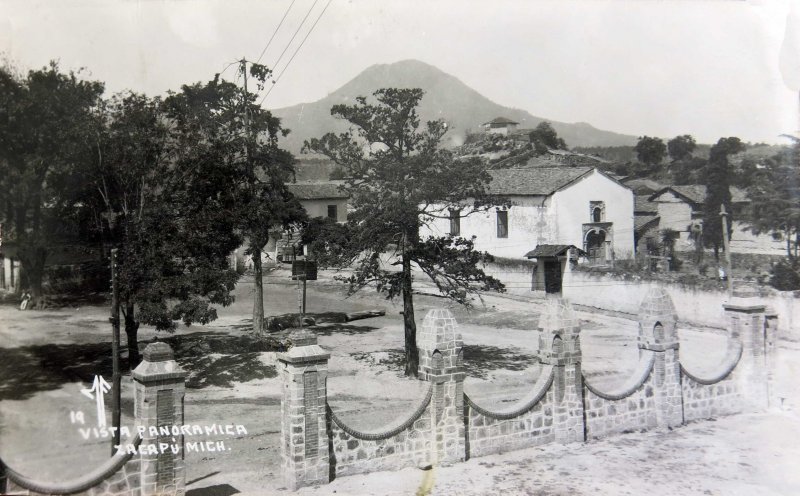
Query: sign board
point(304, 269)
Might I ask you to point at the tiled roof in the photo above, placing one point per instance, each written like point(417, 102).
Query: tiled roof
point(550, 251)
point(500, 120)
point(540, 181)
point(641, 222)
point(642, 185)
point(696, 193)
point(317, 190)
point(643, 204)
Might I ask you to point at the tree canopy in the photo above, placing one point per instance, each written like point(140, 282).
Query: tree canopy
point(774, 194)
point(718, 173)
point(544, 138)
point(399, 178)
point(45, 125)
point(681, 147)
point(650, 151)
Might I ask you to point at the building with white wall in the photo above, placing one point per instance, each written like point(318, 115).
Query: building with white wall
point(500, 125)
point(578, 206)
point(581, 207)
point(321, 199)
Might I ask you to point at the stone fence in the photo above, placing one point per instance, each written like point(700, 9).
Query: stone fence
point(158, 402)
point(562, 406)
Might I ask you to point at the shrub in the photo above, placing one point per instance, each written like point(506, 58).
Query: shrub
point(785, 276)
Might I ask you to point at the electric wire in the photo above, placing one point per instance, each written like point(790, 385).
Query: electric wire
point(275, 32)
point(295, 52)
point(299, 27)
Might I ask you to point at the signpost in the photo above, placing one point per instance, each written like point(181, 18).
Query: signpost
point(303, 270)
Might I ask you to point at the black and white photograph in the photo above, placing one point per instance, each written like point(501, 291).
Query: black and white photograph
point(400, 247)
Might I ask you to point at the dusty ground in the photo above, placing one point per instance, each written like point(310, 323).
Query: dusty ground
point(46, 357)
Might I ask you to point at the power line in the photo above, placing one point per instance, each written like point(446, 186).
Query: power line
point(295, 34)
point(295, 52)
point(227, 66)
point(275, 32)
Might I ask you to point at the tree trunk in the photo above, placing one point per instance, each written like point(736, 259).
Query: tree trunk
point(412, 355)
point(132, 330)
point(258, 296)
point(32, 274)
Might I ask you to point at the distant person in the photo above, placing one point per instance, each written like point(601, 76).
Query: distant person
point(26, 298)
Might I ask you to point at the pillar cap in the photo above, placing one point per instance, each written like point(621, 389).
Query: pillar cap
point(304, 349)
point(158, 352)
point(158, 365)
point(744, 306)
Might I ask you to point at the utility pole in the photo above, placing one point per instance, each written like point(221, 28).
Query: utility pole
point(258, 281)
point(246, 121)
point(116, 379)
point(726, 244)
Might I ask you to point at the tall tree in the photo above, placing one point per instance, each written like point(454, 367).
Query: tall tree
point(681, 147)
point(650, 151)
point(167, 177)
point(45, 117)
point(398, 179)
point(718, 173)
point(544, 138)
point(267, 206)
point(774, 195)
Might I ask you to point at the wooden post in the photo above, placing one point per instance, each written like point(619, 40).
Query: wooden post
point(726, 244)
point(304, 295)
point(116, 380)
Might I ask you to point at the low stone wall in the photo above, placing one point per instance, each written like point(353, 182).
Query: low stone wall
point(633, 408)
point(158, 402)
point(409, 444)
point(562, 406)
point(528, 423)
point(707, 398)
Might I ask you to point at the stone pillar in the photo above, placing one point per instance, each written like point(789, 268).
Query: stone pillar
point(560, 346)
point(658, 334)
point(304, 433)
point(159, 387)
point(441, 361)
point(746, 322)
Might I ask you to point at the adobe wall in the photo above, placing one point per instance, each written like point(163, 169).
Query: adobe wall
point(694, 306)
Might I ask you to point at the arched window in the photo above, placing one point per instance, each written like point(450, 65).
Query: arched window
point(658, 332)
point(597, 214)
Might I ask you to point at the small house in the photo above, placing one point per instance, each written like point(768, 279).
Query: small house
point(500, 125)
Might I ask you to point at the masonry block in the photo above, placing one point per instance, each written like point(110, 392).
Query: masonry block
point(441, 361)
point(658, 323)
point(560, 346)
point(304, 433)
point(746, 320)
point(159, 389)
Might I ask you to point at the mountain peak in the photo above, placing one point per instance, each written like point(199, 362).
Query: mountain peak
point(446, 97)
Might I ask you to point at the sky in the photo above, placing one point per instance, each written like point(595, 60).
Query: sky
point(709, 68)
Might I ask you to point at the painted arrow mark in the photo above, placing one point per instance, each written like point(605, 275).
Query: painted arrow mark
point(99, 388)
